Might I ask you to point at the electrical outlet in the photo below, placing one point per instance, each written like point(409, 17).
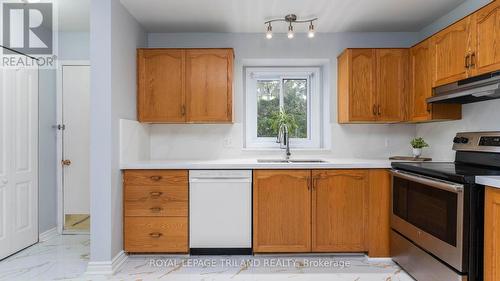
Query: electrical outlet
point(228, 142)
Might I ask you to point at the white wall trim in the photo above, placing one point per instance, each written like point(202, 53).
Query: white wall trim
point(47, 235)
point(59, 143)
point(106, 267)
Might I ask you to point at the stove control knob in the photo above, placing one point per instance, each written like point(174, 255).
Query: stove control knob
point(464, 140)
point(456, 140)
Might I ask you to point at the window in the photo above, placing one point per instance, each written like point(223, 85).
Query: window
point(294, 91)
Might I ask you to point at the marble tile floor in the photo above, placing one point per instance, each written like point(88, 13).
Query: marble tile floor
point(65, 258)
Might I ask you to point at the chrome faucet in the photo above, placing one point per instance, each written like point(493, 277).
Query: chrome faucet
point(283, 139)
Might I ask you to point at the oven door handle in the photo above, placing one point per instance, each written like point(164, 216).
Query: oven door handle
point(440, 184)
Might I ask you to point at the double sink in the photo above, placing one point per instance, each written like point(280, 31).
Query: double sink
point(291, 161)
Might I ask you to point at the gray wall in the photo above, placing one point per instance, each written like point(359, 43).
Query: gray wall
point(72, 46)
point(483, 116)
point(115, 35)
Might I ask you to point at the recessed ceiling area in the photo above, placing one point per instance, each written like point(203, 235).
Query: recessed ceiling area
point(248, 16)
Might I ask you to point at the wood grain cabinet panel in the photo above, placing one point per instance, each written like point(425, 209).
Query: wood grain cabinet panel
point(485, 29)
point(155, 209)
point(156, 235)
point(392, 84)
point(281, 211)
point(379, 213)
point(185, 85)
point(492, 234)
point(161, 87)
point(339, 210)
point(372, 85)
point(419, 110)
point(209, 85)
point(450, 49)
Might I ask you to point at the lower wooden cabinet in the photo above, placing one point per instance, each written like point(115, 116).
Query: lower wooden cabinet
point(339, 210)
point(155, 204)
point(281, 211)
point(492, 235)
point(322, 211)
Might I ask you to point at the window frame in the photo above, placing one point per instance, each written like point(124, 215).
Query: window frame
point(314, 108)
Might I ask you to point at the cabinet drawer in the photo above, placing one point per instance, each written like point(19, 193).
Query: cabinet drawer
point(156, 201)
point(156, 177)
point(159, 235)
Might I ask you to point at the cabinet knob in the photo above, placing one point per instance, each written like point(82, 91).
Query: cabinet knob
point(156, 178)
point(155, 194)
point(156, 209)
point(155, 234)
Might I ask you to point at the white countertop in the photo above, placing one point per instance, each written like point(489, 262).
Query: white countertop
point(253, 164)
point(493, 181)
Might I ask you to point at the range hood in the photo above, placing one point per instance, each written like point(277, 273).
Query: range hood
point(480, 88)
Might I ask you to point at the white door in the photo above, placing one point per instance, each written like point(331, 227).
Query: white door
point(76, 144)
point(18, 159)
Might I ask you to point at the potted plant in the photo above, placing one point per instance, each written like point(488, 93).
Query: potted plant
point(417, 144)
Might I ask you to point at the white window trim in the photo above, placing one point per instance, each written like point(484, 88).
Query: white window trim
point(313, 74)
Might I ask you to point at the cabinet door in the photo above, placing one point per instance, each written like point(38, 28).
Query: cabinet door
point(450, 48)
point(281, 211)
point(209, 85)
point(420, 82)
point(339, 215)
point(485, 27)
point(392, 76)
point(160, 85)
point(492, 234)
point(362, 85)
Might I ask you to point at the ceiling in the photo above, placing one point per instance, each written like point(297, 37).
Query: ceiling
point(248, 15)
point(73, 15)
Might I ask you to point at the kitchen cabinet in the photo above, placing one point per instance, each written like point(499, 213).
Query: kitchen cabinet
point(184, 85)
point(451, 48)
point(485, 30)
point(491, 234)
point(339, 210)
point(421, 89)
point(322, 211)
point(281, 211)
point(155, 204)
point(372, 85)
point(209, 85)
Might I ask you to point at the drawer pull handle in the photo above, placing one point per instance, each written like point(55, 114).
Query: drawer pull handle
point(155, 234)
point(156, 209)
point(155, 178)
point(155, 194)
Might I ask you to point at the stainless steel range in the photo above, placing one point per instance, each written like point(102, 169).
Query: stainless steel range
point(438, 211)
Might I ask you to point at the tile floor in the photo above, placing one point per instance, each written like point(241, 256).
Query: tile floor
point(65, 258)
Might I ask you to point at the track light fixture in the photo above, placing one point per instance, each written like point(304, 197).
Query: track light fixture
point(290, 19)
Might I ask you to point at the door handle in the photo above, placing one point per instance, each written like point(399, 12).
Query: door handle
point(467, 63)
point(155, 194)
point(155, 178)
point(379, 110)
point(472, 60)
point(374, 109)
point(155, 234)
point(156, 209)
point(66, 162)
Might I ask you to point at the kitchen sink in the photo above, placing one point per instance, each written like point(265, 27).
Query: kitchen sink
point(291, 161)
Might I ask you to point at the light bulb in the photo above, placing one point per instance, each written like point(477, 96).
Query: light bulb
point(290, 31)
point(310, 34)
point(269, 33)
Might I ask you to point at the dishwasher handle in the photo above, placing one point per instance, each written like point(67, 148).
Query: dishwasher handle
point(221, 180)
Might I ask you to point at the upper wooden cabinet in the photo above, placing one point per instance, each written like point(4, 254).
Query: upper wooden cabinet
point(421, 89)
point(339, 210)
point(372, 85)
point(161, 87)
point(450, 52)
point(281, 211)
point(185, 85)
point(485, 30)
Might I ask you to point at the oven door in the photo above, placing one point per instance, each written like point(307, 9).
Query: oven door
point(429, 212)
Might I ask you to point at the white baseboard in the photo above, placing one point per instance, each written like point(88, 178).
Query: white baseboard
point(106, 267)
point(49, 234)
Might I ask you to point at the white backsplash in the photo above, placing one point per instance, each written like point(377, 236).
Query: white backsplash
point(134, 141)
point(482, 116)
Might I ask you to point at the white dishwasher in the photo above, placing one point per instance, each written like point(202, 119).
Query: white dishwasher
point(220, 212)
